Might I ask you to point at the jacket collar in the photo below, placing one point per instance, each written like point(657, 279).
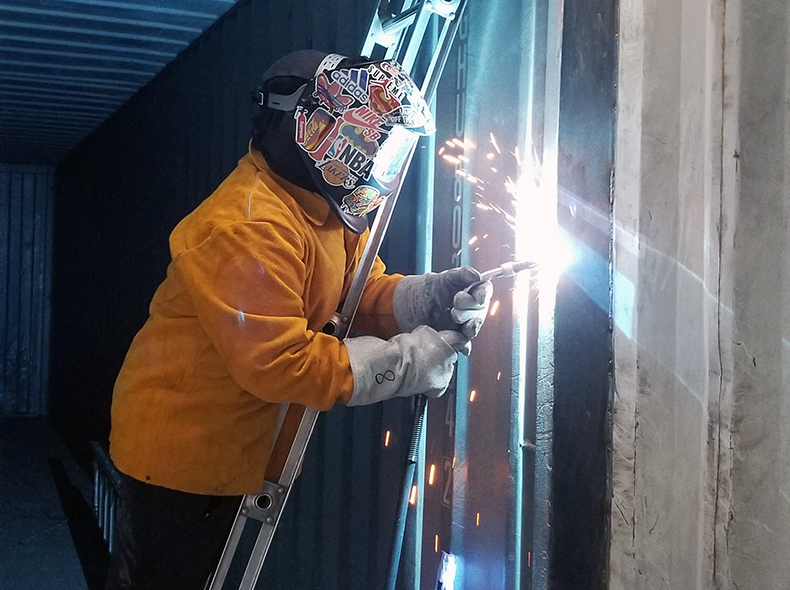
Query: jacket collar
point(314, 206)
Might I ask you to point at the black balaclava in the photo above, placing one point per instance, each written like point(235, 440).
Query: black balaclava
point(271, 131)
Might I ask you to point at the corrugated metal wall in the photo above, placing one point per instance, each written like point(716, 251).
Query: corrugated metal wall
point(118, 197)
point(25, 254)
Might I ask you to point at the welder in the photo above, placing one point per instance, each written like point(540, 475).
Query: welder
point(234, 331)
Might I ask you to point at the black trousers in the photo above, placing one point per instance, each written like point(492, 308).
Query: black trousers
point(166, 539)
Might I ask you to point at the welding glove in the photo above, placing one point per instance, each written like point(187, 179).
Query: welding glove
point(455, 299)
point(417, 362)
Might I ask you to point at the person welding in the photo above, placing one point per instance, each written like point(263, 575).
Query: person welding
point(234, 332)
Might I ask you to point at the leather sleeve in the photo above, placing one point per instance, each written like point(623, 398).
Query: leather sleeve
point(247, 283)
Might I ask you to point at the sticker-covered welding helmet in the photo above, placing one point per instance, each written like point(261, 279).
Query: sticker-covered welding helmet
point(350, 123)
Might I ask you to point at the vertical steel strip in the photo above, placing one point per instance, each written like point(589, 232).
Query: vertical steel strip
point(547, 297)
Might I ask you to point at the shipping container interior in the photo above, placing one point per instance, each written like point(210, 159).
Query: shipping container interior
point(622, 419)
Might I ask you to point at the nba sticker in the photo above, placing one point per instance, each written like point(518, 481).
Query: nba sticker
point(334, 172)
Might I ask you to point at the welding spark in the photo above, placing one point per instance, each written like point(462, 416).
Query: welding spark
point(432, 474)
point(464, 143)
point(531, 212)
point(494, 307)
point(493, 141)
point(478, 519)
point(498, 375)
point(473, 395)
point(413, 495)
point(436, 544)
point(387, 439)
point(465, 175)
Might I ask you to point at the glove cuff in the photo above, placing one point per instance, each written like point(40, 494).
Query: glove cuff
point(411, 302)
point(419, 362)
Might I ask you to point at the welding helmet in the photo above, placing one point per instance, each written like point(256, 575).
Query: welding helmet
point(341, 127)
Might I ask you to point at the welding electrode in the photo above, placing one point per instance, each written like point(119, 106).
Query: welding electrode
point(508, 269)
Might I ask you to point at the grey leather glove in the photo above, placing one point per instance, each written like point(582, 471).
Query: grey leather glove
point(454, 299)
point(418, 362)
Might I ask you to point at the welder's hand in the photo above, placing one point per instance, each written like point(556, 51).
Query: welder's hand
point(418, 362)
point(455, 299)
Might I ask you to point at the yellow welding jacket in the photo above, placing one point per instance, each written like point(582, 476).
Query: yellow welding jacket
point(235, 331)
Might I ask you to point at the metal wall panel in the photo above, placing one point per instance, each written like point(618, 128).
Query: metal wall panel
point(583, 338)
point(66, 65)
point(120, 194)
point(25, 238)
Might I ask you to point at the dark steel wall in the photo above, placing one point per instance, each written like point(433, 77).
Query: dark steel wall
point(119, 195)
point(583, 342)
point(25, 256)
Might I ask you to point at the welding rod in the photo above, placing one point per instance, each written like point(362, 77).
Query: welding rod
point(508, 269)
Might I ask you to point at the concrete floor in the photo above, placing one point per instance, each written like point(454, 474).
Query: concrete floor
point(48, 536)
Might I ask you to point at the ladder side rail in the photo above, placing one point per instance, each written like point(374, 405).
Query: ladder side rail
point(232, 543)
point(298, 446)
point(405, 37)
point(408, 54)
point(445, 42)
point(382, 30)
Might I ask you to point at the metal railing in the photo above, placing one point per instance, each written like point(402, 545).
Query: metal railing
point(106, 497)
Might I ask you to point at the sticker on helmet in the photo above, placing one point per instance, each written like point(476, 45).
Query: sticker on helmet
point(364, 117)
point(319, 126)
point(357, 161)
point(380, 100)
point(300, 114)
point(399, 84)
point(356, 137)
point(354, 82)
point(405, 115)
point(330, 95)
point(335, 172)
point(363, 200)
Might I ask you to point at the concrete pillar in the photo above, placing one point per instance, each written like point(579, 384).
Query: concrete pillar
point(701, 490)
